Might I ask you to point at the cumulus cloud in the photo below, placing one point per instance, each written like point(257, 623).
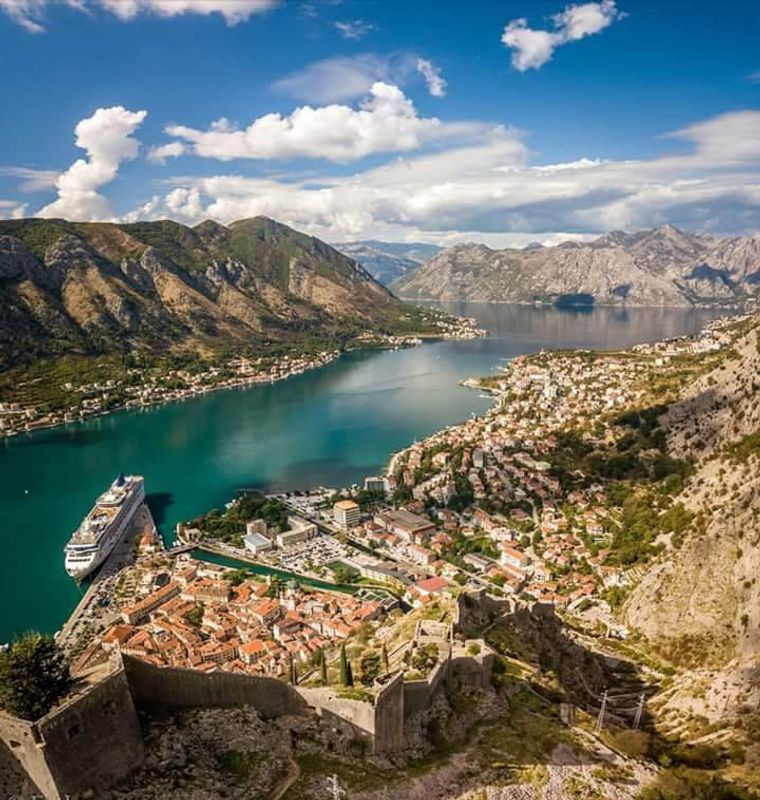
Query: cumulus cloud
point(160, 153)
point(532, 48)
point(354, 29)
point(12, 209)
point(30, 13)
point(489, 189)
point(386, 121)
point(106, 138)
point(433, 79)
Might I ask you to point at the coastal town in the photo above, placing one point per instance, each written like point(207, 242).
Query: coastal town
point(137, 388)
point(484, 505)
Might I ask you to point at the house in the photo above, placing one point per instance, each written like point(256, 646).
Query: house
point(407, 526)
point(511, 556)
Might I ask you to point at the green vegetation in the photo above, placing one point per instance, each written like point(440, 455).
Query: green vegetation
point(424, 658)
point(229, 525)
point(243, 765)
point(346, 674)
point(746, 447)
point(342, 573)
point(195, 617)
point(370, 667)
point(33, 676)
point(689, 784)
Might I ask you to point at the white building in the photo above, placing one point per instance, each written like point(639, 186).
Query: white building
point(256, 543)
point(346, 513)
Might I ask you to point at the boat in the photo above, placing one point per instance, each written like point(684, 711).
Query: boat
point(104, 526)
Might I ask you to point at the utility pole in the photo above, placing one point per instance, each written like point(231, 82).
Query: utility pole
point(600, 718)
point(639, 712)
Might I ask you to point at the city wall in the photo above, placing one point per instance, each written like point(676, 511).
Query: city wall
point(186, 688)
point(88, 742)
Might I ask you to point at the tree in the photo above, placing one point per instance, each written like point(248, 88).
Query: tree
point(346, 675)
point(33, 676)
point(323, 667)
point(195, 616)
point(386, 661)
point(370, 667)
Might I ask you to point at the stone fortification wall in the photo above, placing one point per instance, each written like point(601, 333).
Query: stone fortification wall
point(187, 688)
point(389, 716)
point(87, 743)
point(14, 782)
point(95, 739)
point(21, 751)
point(474, 610)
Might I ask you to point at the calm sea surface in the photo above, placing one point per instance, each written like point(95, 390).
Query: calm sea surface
point(331, 427)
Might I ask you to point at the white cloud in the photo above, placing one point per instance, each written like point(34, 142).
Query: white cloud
point(433, 79)
point(753, 77)
point(336, 79)
point(387, 121)
point(532, 48)
point(107, 139)
point(160, 153)
point(12, 209)
point(32, 180)
point(354, 29)
point(30, 13)
point(489, 191)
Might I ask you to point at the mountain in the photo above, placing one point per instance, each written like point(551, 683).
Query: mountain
point(388, 261)
point(97, 288)
point(698, 604)
point(660, 267)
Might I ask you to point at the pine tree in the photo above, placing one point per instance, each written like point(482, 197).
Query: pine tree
point(346, 676)
point(386, 661)
point(323, 666)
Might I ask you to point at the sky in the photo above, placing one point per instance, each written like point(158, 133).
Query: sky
point(503, 121)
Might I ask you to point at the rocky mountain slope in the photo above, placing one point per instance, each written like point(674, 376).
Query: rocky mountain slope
point(660, 267)
point(699, 602)
point(388, 261)
point(99, 288)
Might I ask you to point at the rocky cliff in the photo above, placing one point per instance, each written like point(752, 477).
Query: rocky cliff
point(699, 602)
point(660, 267)
point(98, 288)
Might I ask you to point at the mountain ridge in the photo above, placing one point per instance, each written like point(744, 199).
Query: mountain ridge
point(388, 261)
point(663, 266)
point(97, 288)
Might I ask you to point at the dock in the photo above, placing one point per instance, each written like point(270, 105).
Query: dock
point(93, 613)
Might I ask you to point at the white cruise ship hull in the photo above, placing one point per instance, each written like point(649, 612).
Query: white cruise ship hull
point(84, 557)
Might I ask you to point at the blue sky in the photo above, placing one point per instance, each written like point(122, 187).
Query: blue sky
point(503, 122)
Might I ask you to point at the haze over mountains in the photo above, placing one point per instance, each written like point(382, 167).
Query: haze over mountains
point(388, 261)
point(660, 267)
point(101, 287)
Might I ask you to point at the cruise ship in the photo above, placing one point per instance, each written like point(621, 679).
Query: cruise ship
point(104, 526)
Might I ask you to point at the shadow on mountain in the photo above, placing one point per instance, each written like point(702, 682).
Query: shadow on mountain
point(579, 302)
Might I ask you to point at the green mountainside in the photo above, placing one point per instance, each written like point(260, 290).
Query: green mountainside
point(161, 287)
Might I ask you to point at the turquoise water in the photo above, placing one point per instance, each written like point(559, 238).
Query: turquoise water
point(331, 426)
